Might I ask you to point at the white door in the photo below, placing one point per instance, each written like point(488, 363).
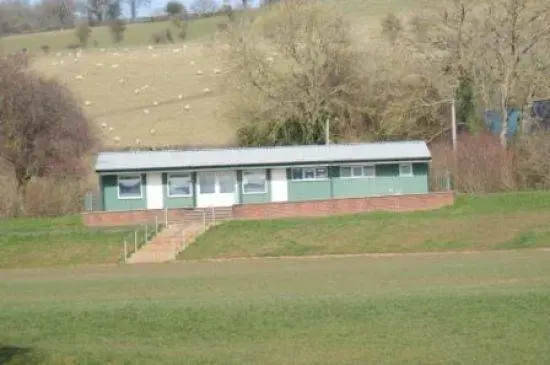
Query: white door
point(216, 188)
point(279, 185)
point(153, 190)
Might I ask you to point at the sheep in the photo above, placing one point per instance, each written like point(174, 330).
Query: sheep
point(103, 125)
point(79, 77)
point(149, 48)
point(207, 90)
point(99, 65)
point(180, 96)
point(88, 102)
point(111, 129)
point(121, 81)
point(152, 131)
point(199, 72)
point(146, 111)
point(61, 62)
point(102, 49)
point(137, 91)
point(187, 107)
point(114, 66)
point(217, 71)
point(138, 141)
point(117, 139)
point(155, 103)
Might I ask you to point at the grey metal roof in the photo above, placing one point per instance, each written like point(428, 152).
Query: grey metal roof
point(286, 155)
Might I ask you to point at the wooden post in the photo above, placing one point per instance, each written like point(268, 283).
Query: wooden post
point(156, 225)
point(165, 217)
point(135, 241)
point(125, 251)
point(146, 234)
point(453, 123)
point(213, 215)
point(204, 219)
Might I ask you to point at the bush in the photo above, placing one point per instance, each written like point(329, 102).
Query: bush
point(117, 28)
point(222, 26)
point(481, 164)
point(83, 33)
point(45, 48)
point(73, 46)
point(162, 36)
point(175, 8)
point(533, 160)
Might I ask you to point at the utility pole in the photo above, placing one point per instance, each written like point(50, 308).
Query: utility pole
point(453, 123)
point(327, 131)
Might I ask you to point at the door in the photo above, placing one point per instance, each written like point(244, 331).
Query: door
point(216, 188)
point(279, 185)
point(153, 190)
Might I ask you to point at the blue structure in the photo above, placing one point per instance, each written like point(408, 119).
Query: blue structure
point(493, 122)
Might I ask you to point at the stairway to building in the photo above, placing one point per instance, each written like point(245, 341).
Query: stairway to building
point(165, 246)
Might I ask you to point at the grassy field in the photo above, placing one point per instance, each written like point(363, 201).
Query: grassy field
point(484, 308)
point(174, 76)
point(499, 221)
point(44, 242)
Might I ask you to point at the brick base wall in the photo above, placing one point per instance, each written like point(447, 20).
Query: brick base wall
point(319, 208)
point(315, 208)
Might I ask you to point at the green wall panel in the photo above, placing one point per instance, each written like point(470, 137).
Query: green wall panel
point(111, 202)
point(178, 202)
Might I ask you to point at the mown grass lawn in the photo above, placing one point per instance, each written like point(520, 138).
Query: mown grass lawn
point(497, 221)
point(455, 308)
point(44, 242)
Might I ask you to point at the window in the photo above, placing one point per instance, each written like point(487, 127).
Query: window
point(180, 185)
point(309, 173)
point(358, 171)
point(405, 169)
point(227, 182)
point(207, 182)
point(129, 187)
point(254, 182)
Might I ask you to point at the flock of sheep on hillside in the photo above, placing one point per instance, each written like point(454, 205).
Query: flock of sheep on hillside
point(79, 54)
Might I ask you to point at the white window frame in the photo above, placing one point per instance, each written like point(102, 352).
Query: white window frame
point(362, 176)
point(409, 165)
point(175, 173)
point(314, 168)
point(254, 171)
point(128, 176)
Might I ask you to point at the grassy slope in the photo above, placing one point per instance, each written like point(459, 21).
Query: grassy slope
point(47, 242)
point(486, 222)
point(487, 308)
point(168, 75)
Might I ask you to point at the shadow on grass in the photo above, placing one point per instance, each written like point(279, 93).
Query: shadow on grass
point(16, 355)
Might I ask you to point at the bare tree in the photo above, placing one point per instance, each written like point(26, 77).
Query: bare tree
point(204, 7)
point(43, 130)
point(295, 67)
point(505, 45)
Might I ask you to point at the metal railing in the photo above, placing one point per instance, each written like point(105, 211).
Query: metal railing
point(142, 235)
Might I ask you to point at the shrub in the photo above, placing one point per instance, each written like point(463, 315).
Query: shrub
point(83, 33)
point(117, 28)
point(222, 26)
point(45, 48)
point(73, 46)
point(533, 160)
point(481, 164)
point(175, 8)
point(162, 36)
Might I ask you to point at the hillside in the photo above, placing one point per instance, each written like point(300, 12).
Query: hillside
point(162, 95)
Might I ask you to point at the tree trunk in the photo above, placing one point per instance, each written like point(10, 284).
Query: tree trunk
point(133, 10)
point(504, 112)
point(21, 193)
